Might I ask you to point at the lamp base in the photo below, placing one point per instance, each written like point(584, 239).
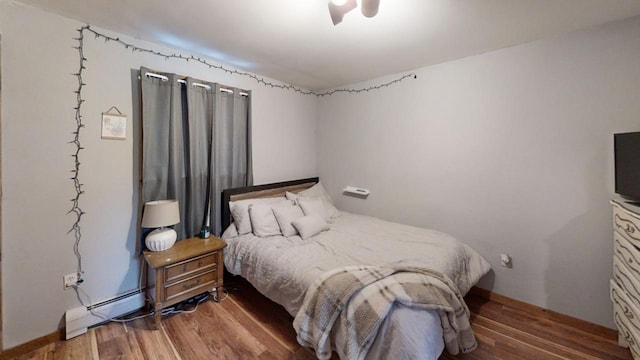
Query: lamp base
point(161, 239)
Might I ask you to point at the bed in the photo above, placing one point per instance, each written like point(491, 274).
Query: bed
point(294, 259)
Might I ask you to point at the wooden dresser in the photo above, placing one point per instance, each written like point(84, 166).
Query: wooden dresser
point(625, 285)
point(191, 267)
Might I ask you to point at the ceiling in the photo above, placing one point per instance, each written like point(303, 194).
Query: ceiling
point(294, 41)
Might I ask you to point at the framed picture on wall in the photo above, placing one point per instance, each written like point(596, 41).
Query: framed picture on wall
point(114, 126)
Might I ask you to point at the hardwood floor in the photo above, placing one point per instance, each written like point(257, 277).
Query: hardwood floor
point(248, 326)
point(505, 332)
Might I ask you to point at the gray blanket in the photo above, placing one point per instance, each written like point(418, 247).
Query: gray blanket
point(364, 295)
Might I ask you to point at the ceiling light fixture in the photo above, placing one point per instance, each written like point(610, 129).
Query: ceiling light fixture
point(370, 7)
point(338, 8)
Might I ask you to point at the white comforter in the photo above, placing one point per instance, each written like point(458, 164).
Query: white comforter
point(283, 268)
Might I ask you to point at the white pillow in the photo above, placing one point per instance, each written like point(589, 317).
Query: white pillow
point(240, 211)
point(313, 206)
point(310, 225)
point(317, 191)
point(292, 196)
point(263, 222)
point(231, 232)
point(285, 215)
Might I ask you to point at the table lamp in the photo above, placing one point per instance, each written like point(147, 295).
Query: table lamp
point(160, 214)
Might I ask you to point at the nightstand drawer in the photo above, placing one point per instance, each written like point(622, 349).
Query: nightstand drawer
point(190, 267)
point(625, 223)
point(206, 281)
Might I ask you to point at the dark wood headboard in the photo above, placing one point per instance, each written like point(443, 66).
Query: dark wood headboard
point(260, 191)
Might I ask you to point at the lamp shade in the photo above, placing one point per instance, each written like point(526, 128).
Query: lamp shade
point(160, 213)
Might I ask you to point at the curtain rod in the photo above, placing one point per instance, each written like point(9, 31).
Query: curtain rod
point(182, 81)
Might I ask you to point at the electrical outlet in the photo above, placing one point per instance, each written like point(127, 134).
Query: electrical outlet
point(505, 260)
point(70, 280)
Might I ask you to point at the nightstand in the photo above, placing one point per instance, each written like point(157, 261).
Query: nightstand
point(189, 268)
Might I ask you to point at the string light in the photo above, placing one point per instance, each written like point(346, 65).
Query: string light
point(75, 208)
point(370, 88)
point(258, 79)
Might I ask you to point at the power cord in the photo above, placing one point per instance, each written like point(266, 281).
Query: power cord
point(213, 294)
point(171, 310)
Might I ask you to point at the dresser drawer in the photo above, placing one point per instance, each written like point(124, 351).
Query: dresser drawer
point(625, 308)
point(628, 336)
point(628, 254)
point(627, 281)
point(204, 282)
point(627, 224)
point(625, 315)
point(190, 267)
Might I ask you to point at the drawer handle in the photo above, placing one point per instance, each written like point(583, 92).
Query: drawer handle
point(626, 225)
point(628, 312)
point(630, 261)
point(189, 286)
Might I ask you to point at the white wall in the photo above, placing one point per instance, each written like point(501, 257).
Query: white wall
point(510, 151)
point(37, 120)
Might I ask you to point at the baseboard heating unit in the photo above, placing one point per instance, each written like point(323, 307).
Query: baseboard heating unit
point(79, 319)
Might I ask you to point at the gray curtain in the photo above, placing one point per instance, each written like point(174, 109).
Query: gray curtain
point(232, 155)
point(195, 143)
